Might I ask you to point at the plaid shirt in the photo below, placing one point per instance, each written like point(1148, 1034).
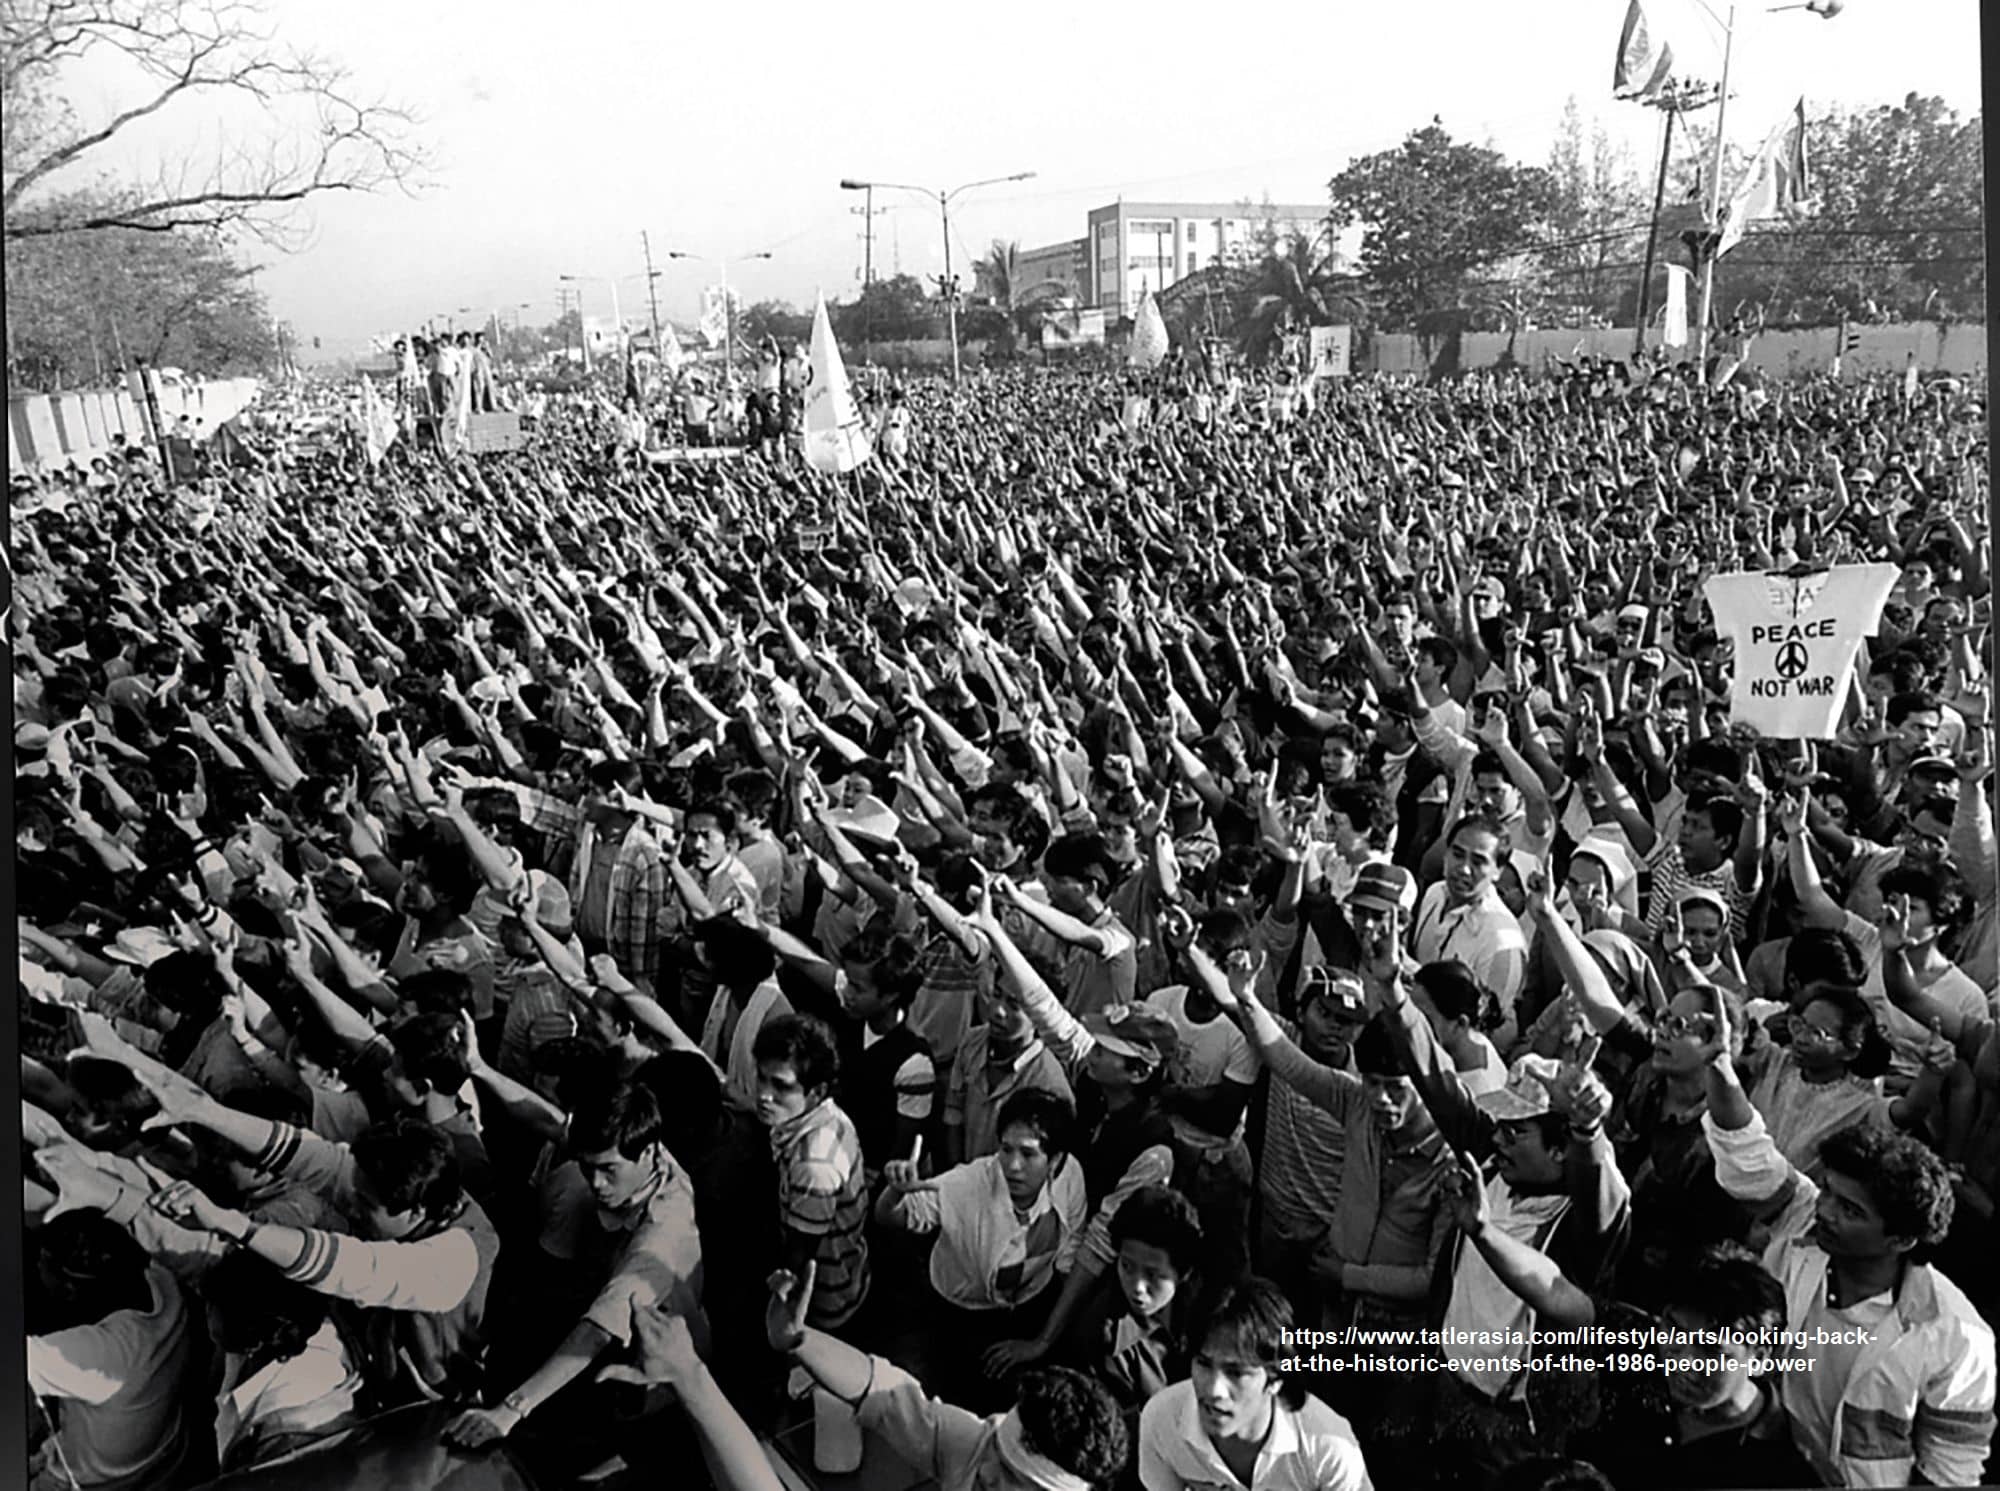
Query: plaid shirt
point(640, 890)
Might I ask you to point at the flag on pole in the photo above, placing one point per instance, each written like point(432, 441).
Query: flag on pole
point(671, 355)
point(378, 422)
point(1910, 379)
point(714, 323)
point(1776, 180)
point(835, 439)
point(1643, 69)
point(1149, 336)
point(1674, 327)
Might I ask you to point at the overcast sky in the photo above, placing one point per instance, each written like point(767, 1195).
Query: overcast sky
point(562, 131)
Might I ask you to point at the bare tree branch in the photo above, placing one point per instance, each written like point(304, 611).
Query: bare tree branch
point(338, 141)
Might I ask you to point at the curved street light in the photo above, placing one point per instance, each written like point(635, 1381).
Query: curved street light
point(943, 197)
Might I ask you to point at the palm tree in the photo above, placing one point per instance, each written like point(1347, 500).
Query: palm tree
point(1021, 309)
point(1291, 288)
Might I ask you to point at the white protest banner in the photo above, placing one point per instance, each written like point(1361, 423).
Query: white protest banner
point(714, 323)
point(1796, 635)
point(835, 439)
point(1149, 336)
point(1332, 351)
point(378, 422)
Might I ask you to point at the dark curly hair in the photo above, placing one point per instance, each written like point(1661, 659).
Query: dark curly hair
point(895, 960)
point(406, 1165)
point(1072, 1420)
point(806, 1043)
point(1049, 1114)
point(1903, 1177)
point(1725, 1283)
point(1938, 886)
point(256, 1311)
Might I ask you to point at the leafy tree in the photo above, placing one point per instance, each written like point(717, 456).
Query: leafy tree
point(897, 309)
point(323, 135)
point(1602, 209)
point(1436, 211)
point(774, 318)
point(78, 308)
point(1894, 231)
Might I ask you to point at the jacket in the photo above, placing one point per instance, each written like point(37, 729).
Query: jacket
point(1919, 1397)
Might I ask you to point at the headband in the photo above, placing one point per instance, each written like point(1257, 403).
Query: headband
point(1036, 1469)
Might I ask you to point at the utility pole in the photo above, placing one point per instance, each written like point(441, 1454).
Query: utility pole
point(652, 289)
point(1674, 99)
point(868, 214)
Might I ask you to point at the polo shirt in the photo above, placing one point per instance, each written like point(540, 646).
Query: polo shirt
point(1484, 936)
point(974, 1099)
point(1310, 1448)
point(823, 1194)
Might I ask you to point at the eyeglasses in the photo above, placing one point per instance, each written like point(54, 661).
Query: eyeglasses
point(1700, 1026)
point(1803, 1029)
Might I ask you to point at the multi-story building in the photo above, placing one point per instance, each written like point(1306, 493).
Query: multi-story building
point(1059, 271)
point(1134, 247)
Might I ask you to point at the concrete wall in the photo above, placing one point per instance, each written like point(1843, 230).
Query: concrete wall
point(53, 429)
point(1959, 349)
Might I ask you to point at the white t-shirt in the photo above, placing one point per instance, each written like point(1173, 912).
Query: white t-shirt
point(1207, 1054)
point(1796, 641)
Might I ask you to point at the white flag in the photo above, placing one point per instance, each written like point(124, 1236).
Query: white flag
point(714, 324)
point(1674, 333)
point(1910, 380)
point(835, 439)
point(671, 355)
point(1149, 335)
point(1775, 181)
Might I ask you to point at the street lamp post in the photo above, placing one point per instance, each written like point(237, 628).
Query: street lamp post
point(943, 197)
point(728, 305)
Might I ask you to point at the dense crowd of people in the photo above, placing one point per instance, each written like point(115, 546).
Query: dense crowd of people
point(1069, 949)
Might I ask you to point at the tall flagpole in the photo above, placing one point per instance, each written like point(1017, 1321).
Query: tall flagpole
point(1714, 239)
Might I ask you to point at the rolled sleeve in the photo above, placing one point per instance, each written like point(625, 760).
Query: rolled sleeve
point(1152, 1167)
point(916, 1088)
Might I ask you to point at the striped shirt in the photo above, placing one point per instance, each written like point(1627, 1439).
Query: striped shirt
point(1305, 1156)
point(954, 982)
point(635, 897)
point(823, 1194)
point(1672, 880)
